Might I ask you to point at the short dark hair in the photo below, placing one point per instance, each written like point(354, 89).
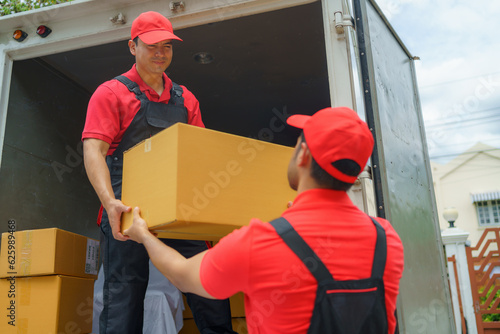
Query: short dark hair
point(327, 181)
point(136, 40)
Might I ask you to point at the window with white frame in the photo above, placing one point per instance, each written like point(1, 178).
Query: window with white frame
point(488, 212)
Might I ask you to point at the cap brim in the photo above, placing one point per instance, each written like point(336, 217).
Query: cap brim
point(298, 121)
point(153, 37)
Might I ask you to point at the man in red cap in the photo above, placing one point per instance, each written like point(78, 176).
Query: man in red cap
point(280, 287)
point(121, 113)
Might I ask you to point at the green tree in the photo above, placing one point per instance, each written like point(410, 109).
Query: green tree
point(15, 6)
point(490, 317)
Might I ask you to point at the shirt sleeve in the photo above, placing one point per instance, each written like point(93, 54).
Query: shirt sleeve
point(193, 107)
point(224, 270)
point(103, 117)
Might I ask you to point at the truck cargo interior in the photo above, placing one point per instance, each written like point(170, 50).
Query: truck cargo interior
point(249, 74)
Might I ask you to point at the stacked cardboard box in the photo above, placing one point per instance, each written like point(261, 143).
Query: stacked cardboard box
point(47, 281)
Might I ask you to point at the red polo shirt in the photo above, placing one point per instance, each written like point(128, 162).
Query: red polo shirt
point(279, 290)
point(112, 108)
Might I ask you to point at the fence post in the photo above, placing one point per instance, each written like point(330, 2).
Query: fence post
point(454, 241)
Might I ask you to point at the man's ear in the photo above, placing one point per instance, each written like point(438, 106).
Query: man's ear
point(132, 46)
point(304, 156)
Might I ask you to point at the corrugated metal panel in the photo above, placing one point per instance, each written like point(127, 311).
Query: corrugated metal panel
point(488, 196)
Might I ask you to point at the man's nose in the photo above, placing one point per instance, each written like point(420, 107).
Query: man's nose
point(160, 52)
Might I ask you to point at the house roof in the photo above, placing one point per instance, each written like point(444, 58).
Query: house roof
point(462, 159)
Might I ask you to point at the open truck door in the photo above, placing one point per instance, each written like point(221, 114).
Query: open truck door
point(386, 89)
point(251, 64)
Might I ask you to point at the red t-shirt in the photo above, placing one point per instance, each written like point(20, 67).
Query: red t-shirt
point(279, 290)
point(112, 108)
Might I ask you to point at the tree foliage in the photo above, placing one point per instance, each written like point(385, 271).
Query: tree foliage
point(490, 317)
point(15, 6)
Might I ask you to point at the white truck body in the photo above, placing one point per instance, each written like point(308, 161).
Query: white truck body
point(272, 58)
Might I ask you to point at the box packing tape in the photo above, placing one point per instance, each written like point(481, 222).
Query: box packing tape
point(25, 254)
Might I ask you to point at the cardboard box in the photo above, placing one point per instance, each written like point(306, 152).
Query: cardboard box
point(196, 183)
point(46, 304)
point(47, 252)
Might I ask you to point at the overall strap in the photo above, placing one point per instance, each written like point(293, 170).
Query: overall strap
point(176, 90)
point(380, 256)
point(131, 85)
point(176, 97)
point(286, 231)
point(317, 268)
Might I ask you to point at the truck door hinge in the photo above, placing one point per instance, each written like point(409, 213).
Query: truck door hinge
point(340, 20)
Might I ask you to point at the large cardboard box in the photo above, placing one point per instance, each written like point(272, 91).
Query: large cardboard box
point(46, 304)
point(47, 252)
point(196, 183)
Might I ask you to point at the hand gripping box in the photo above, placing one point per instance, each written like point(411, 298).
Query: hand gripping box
point(46, 304)
point(196, 183)
point(47, 252)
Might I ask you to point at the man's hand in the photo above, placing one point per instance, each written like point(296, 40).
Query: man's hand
point(183, 273)
point(115, 208)
point(139, 229)
point(94, 155)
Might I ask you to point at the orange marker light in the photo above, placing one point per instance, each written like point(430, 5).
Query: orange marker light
point(19, 35)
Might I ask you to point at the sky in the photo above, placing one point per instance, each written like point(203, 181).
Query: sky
point(458, 73)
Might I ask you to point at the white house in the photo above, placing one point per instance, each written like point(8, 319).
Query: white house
point(471, 184)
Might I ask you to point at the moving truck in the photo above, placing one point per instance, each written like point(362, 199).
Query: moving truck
point(251, 64)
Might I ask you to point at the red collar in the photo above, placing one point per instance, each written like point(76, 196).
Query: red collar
point(133, 75)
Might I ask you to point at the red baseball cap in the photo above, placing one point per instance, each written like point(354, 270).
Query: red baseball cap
point(152, 27)
point(335, 134)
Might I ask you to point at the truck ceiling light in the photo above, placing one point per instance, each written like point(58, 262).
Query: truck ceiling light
point(19, 35)
point(43, 31)
point(203, 58)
